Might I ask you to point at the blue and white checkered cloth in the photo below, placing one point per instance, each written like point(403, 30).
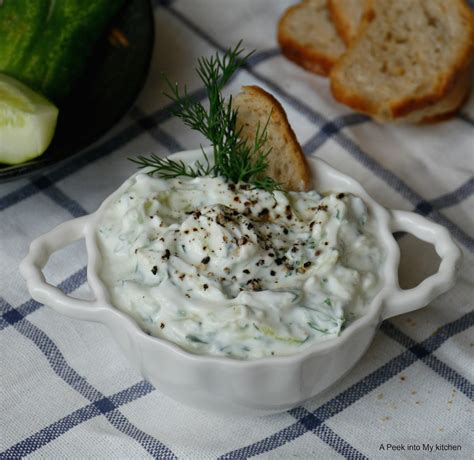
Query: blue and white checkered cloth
point(66, 391)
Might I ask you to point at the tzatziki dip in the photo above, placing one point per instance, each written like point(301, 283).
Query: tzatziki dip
point(224, 269)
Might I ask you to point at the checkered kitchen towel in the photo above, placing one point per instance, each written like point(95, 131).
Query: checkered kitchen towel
point(67, 391)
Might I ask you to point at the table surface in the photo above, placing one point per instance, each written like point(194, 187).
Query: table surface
point(67, 391)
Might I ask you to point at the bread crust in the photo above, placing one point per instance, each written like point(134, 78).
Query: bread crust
point(448, 80)
point(343, 26)
point(317, 62)
point(457, 96)
point(446, 107)
point(300, 178)
point(410, 104)
point(439, 117)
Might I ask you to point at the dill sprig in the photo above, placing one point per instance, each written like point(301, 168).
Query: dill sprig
point(167, 169)
point(234, 157)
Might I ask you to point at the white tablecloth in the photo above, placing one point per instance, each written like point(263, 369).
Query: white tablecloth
point(67, 391)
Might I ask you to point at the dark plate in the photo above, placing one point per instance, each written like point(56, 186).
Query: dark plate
point(115, 74)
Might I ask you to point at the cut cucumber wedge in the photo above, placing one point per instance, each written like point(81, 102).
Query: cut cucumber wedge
point(27, 122)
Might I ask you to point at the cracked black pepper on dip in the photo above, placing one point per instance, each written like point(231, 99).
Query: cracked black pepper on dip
point(227, 269)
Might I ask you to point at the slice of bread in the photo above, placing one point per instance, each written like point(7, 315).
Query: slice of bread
point(286, 161)
point(446, 107)
point(308, 36)
point(346, 16)
point(407, 56)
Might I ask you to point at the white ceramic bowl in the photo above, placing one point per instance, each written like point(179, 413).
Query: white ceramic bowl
point(260, 386)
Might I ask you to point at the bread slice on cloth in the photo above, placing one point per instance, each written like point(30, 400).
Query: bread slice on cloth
point(346, 16)
point(286, 161)
point(446, 107)
point(408, 55)
point(307, 36)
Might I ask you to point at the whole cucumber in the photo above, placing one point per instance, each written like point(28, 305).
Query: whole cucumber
point(46, 43)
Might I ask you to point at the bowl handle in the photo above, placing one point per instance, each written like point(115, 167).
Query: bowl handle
point(40, 251)
point(406, 300)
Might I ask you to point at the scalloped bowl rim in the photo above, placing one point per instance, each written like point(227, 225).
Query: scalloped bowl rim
point(374, 309)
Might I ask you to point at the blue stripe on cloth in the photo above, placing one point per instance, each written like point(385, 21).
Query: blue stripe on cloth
point(449, 374)
point(18, 195)
point(151, 445)
point(60, 366)
point(59, 197)
point(78, 278)
point(455, 197)
point(56, 429)
point(5, 307)
point(394, 366)
point(267, 444)
point(42, 184)
point(307, 422)
point(456, 232)
point(48, 434)
point(326, 434)
point(262, 56)
point(464, 117)
point(132, 393)
point(351, 147)
point(53, 355)
point(456, 379)
point(444, 201)
point(148, 125)
point(332, 127)
point(357, 391)
point(69, 285)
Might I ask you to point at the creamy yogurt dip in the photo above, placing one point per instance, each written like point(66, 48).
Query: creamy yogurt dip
point(226, 270)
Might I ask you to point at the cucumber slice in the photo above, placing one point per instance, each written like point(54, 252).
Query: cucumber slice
point(27, 122)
